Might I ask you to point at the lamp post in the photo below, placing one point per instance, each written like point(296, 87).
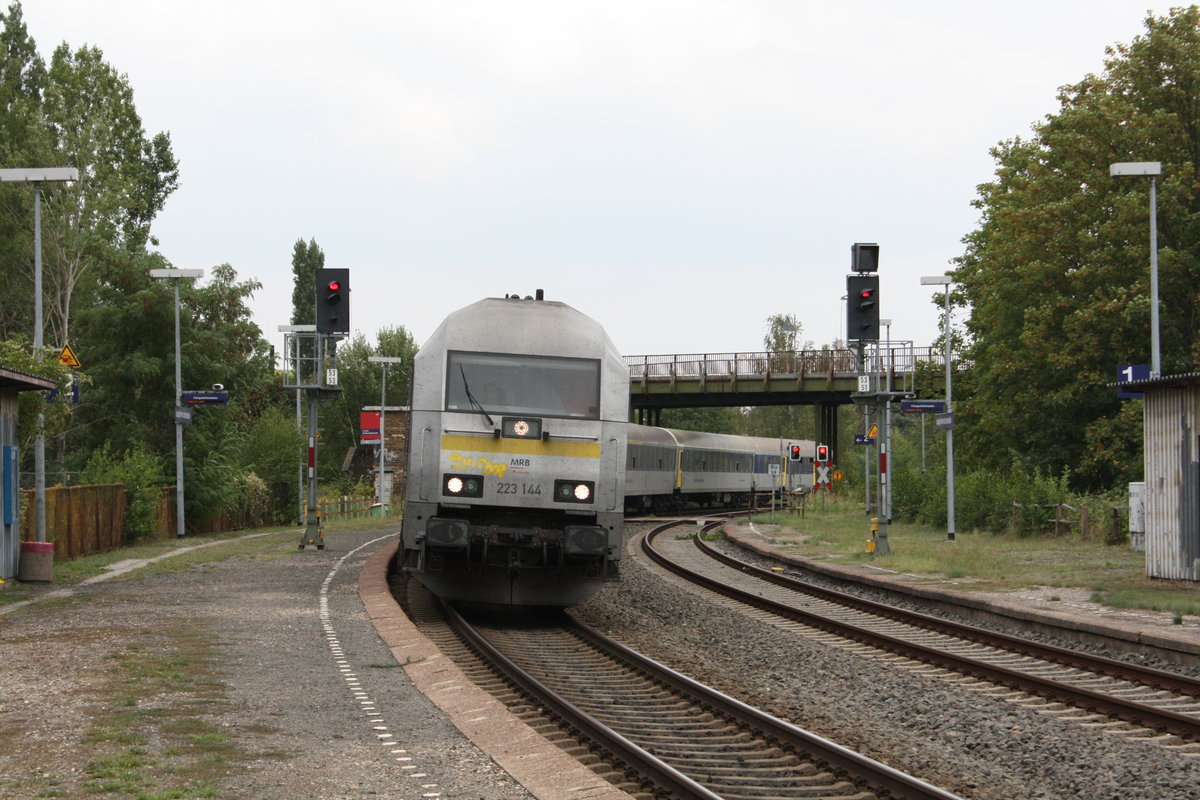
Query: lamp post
point(1151, 169)
point(179, 412)
point(384, 361)
point(38, 176)
point(885, 449)
point(945, 280)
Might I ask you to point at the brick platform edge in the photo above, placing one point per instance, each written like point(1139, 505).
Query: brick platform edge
point(542, 768)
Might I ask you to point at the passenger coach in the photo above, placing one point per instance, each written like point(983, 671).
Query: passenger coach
point(666, 469)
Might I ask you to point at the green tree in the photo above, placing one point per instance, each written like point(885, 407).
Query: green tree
point(783, 341)
point(22, 76)
point(15, 354)
point(1056, 276)
point(124, 178)
point(306, 260)
point(131, 360)
point(362, 382)
point(270, 445)
point(710, 420)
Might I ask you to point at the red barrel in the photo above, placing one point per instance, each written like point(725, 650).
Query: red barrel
point(37, 561)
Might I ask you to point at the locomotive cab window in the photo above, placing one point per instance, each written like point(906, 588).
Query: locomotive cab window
point(542, 386)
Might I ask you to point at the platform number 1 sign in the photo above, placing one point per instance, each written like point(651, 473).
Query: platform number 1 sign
point(1130, 373)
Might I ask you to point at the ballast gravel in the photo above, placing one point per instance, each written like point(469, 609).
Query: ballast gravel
point(978, 746)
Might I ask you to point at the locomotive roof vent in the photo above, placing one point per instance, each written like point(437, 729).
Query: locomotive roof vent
point(541, 295)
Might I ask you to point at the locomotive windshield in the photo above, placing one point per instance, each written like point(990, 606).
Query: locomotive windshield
point(503, 383)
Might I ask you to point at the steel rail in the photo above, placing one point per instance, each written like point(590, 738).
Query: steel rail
point(625, 752)
point(880, 778)
point(1149, 676)
point(877, 775)
point(1157, 719)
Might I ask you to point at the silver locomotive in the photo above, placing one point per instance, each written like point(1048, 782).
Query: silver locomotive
point(516, 456)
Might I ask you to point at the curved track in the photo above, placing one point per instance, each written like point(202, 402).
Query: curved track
point(1093, 690)
point(648, 729)
point(675, 734)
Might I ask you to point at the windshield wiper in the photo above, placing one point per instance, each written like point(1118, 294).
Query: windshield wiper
point(471, 397)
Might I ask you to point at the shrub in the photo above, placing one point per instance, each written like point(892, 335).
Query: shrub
point(985, 500)
point(140, 472)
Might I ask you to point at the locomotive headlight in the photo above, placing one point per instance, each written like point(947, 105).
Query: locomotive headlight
point(462, 485)
point(574, 491)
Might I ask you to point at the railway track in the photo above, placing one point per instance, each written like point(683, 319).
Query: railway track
point(1093, 691)
point(675, 734)
point(650, 730)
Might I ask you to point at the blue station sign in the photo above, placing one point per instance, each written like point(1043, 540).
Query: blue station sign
point(1131, 373)
point(923, 406)
point(205, 398)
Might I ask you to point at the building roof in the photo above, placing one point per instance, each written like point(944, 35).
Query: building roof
point(1161, 382)
point(23, 381)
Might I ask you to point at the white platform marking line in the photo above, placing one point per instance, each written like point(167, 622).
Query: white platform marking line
point(364, 700)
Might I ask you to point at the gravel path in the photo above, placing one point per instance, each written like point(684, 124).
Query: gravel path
point(227, 681)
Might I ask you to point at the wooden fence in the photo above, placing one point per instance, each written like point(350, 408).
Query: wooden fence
point(1033, 516)
point(80, 520)
point(345, 507)
point(164, 517)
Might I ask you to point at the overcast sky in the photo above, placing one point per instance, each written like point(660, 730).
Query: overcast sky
point(680, 171)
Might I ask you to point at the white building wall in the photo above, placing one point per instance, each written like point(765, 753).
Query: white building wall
point(1172, 494)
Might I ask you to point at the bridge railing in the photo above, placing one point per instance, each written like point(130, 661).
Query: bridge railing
point(897, 359)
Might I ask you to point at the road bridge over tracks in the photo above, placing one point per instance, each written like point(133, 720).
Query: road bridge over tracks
point(822, 378)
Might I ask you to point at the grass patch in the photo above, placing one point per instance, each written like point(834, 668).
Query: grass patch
point(838, 533)
point(152, 733)
point(253, 545)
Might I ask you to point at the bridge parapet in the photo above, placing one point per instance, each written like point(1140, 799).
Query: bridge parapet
point(799, 363)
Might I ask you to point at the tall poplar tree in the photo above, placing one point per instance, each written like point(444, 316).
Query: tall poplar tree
point(306, 260)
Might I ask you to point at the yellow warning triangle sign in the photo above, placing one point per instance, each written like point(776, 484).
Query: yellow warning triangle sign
point(67, 356)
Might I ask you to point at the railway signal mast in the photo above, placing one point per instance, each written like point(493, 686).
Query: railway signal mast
point(862, 327)
point(311, 365)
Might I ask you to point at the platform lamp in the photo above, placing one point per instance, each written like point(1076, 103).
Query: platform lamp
point(180, 412)
point(1150, 169)
point(946, 280)
point(383, 361)
point(37, 176)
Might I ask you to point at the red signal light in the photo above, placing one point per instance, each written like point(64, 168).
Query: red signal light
point(333, 304)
